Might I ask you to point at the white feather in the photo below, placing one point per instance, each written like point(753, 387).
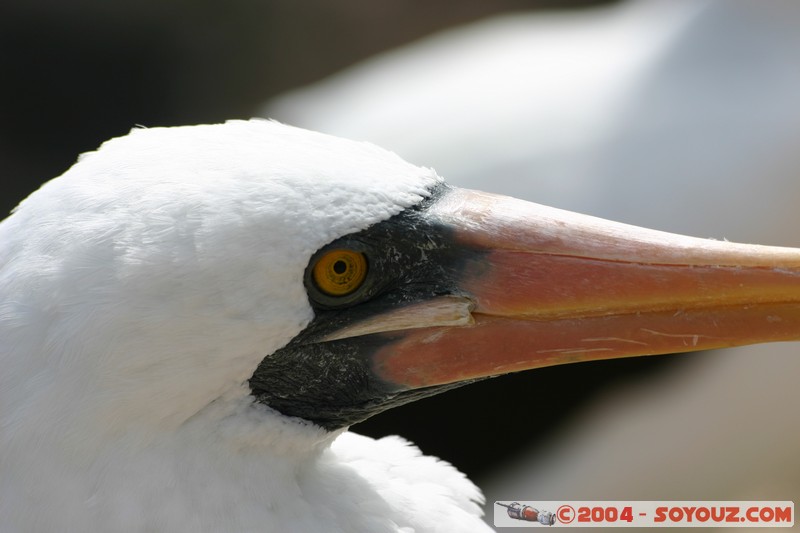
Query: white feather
point(141, 289)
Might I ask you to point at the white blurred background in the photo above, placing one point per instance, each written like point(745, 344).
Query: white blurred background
point(680, 115)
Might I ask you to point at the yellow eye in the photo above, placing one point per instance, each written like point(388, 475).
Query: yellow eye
point(340, 272)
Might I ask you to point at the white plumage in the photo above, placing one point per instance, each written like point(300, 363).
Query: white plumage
point(139, 292)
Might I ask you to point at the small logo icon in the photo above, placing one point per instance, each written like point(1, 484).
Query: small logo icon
point(529, 514)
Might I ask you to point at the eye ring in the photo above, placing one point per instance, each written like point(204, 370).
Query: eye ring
point(339, 272)
point(340, 275)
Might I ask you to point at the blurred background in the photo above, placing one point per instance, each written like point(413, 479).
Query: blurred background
point(76, 73)
point(678, 115)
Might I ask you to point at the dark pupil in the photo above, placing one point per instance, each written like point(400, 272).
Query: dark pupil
point(339, 267)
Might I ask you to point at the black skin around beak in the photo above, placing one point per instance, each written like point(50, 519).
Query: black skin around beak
point(412, 258)
point(468, 285)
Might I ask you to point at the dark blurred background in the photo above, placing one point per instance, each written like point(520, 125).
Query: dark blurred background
point(76, 73)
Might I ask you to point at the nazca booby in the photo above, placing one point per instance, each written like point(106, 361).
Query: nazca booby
point(671, 134)
point(192, 317)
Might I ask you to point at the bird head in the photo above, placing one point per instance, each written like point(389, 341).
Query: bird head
point(331, 280)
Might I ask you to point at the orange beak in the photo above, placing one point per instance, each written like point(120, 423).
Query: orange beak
point(549, 287)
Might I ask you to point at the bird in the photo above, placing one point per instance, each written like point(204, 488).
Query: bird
point(633, 112)
point(192, 317)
